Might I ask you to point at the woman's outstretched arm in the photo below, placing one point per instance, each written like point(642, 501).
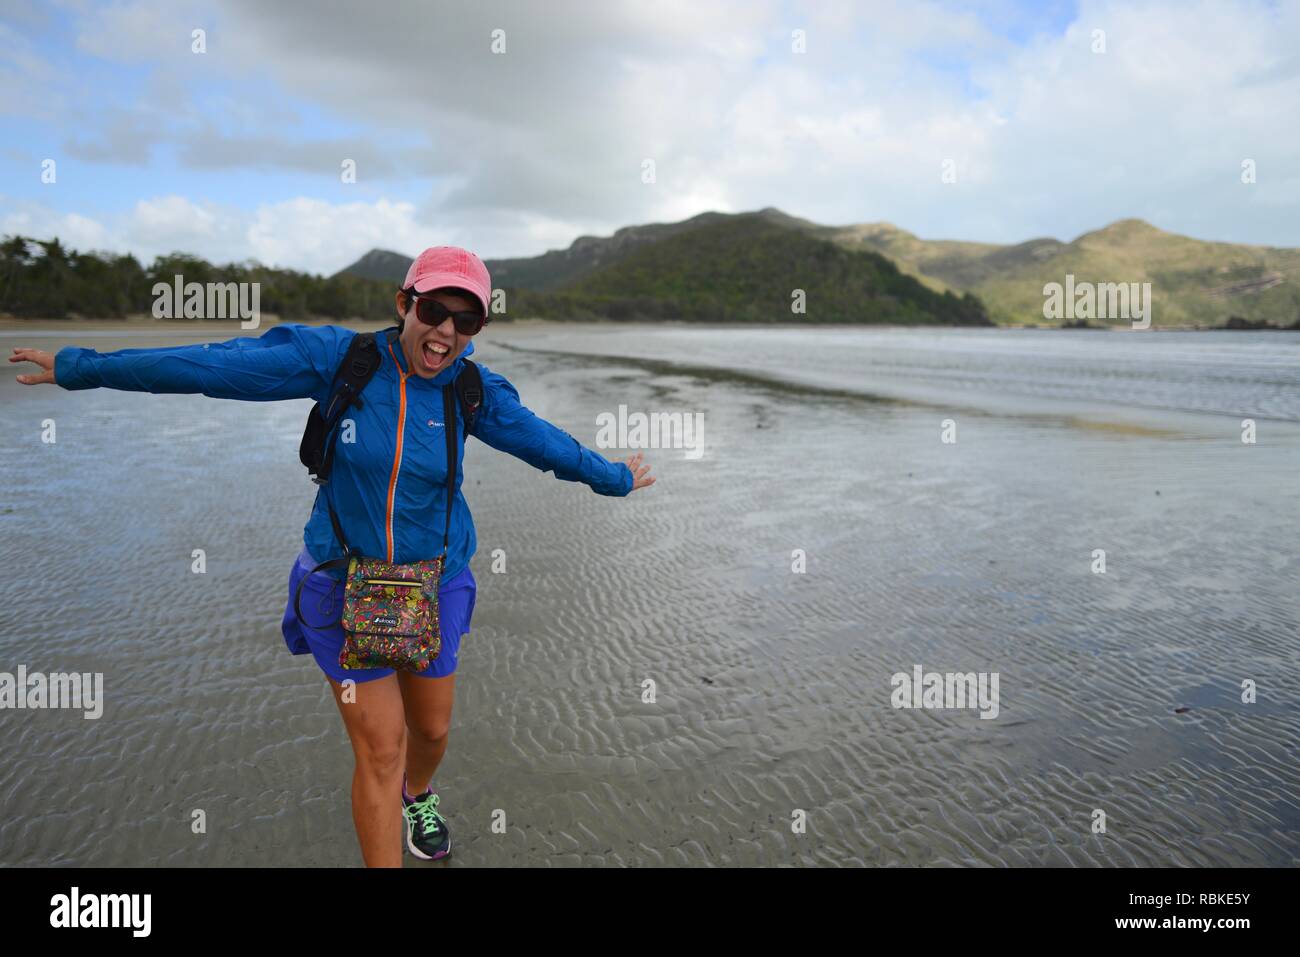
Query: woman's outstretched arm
point(285, 362)
point(508, 425)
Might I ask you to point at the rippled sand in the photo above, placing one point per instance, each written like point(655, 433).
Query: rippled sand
point(772, 688)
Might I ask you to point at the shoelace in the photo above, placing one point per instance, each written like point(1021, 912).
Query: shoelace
point(426, 812)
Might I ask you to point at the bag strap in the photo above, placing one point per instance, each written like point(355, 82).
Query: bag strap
point(297, 595)
point(449, 427)
point(449, 422)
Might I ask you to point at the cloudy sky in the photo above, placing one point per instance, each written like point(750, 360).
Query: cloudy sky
point(1054, 118)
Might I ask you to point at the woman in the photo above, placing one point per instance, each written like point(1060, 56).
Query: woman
point(388, 488)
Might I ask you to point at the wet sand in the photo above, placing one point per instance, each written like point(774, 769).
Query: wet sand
point(773, 690)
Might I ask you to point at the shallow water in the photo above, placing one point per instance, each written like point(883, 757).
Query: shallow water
point(773, 690)
point(1016, 371)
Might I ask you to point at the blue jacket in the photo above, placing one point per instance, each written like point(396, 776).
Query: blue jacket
point(389, 486)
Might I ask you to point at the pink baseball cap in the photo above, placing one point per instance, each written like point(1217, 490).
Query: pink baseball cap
point(440, 266)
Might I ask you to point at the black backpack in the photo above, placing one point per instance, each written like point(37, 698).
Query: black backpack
point(357, 368)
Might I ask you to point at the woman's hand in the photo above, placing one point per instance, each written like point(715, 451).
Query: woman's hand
point(42, 359)
point(638, 479)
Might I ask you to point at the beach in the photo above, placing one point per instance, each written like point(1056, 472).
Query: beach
point(648, 682)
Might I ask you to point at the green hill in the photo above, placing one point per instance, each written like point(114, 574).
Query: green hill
point(382, 265)
point(1193, 282)
point(558, 268)
point(745, 268)
point(715, 266)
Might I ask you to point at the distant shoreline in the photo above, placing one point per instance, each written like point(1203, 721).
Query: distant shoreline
point(143, 321)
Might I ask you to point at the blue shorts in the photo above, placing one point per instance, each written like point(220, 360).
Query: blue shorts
point(322, 601)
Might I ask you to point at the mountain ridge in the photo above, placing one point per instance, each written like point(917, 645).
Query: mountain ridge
point(1194, 282)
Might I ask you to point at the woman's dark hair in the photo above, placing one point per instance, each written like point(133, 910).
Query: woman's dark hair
point(408, 294)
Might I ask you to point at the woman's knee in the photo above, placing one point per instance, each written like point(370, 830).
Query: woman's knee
point(381, 755)
point(375, 724)
point(431, 729)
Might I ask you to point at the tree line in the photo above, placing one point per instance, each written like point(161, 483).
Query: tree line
point(45, 279)
point(725, 274)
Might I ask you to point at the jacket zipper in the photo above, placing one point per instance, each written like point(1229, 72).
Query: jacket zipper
point(397, 454)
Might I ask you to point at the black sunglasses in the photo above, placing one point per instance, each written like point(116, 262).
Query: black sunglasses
point(433, 313)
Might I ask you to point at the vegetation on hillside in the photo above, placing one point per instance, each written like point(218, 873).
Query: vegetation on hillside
point(1193, 282)
point(747, 268)
point(735, 268)
point(721, 267)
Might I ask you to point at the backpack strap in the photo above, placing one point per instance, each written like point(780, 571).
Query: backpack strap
point(469, 386)
point(358, 367)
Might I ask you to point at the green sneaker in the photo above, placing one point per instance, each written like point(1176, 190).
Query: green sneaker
point(427, 836)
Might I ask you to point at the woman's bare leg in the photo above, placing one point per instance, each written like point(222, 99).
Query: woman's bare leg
point(377, 729)
point(427, 702)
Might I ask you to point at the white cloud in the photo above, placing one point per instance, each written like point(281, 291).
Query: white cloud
point(73, 230)
point(305, 234)
point(544, 142)
point(313, 234)
point(175, 221)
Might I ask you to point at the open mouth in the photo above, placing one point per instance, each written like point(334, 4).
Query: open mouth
point(435, 354)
